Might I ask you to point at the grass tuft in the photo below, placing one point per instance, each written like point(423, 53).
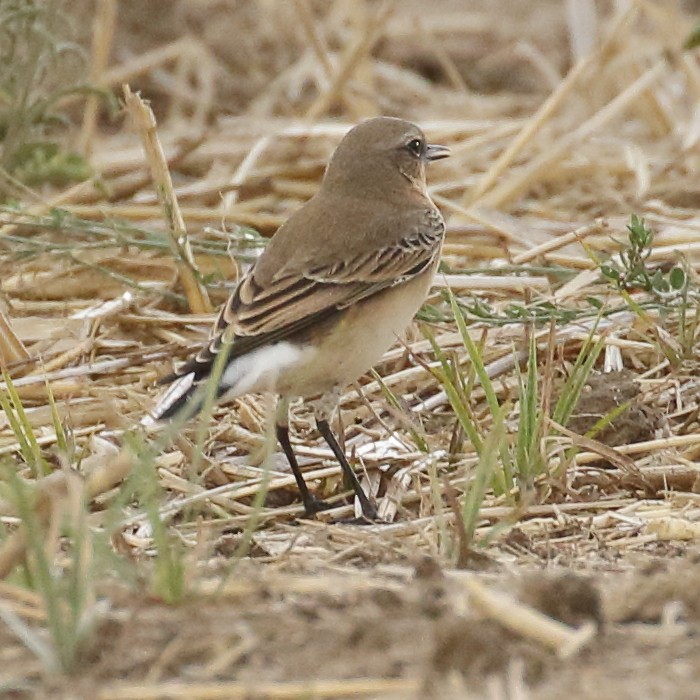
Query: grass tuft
point(39, 65)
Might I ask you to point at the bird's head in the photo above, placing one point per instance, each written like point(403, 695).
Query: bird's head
point(381, 156)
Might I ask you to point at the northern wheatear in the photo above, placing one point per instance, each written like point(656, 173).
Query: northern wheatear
point(338, 282)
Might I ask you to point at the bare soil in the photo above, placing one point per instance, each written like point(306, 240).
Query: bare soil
point(409, 630)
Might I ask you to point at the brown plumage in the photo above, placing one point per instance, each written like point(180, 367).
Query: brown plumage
point(334, 287)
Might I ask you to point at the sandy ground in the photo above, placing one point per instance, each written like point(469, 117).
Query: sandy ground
point(396, 630)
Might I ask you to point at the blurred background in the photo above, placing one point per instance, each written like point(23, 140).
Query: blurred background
point(227, 71)
point(267, 58)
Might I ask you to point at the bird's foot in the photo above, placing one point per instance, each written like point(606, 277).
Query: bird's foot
point(370, 516)
point(313, 505)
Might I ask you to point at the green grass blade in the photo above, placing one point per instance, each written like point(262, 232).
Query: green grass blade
point(459, 406)
point(474, 355)
point(393, 401)
point(570, 393)
point(528, 460)
point(40, 570)
point(22, 428)
point(484, 472)
point(61, 441)
point(24, 447)
point(504, 478)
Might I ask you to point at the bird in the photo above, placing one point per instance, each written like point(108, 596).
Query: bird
point(336, 285)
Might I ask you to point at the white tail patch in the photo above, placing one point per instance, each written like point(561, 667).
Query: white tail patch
point(260, 369)
point(171, 396)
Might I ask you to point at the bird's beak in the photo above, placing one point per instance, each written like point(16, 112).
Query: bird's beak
point(435, 152)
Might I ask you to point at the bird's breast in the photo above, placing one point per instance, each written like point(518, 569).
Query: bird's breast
point(350, 344)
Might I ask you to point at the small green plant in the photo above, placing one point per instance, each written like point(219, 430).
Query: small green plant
point(169, 576)
point(39, 66)
point(458, 390)
point(29, 448)
point(667, 289)
point(576, 379)
point(509, 461)
point(628, 271)
point(632, 271)
point(528, 457)
point(37, 162)
point(67, 591)
point(74, 235)
point(393, 401)
point(479, 481)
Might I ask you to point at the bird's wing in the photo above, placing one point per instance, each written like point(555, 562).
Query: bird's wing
point(293, 300)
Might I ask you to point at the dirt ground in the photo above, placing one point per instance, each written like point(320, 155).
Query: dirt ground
point(589, 589)
point(397, 630)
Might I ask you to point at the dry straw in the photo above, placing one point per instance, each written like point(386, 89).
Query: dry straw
point(100, 299)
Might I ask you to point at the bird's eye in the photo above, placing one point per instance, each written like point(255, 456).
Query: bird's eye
point(415, 146)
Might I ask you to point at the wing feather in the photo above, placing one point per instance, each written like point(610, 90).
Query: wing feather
point(293, 301)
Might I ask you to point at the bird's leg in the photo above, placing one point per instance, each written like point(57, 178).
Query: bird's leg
point(312, 504)
point(368, 509)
